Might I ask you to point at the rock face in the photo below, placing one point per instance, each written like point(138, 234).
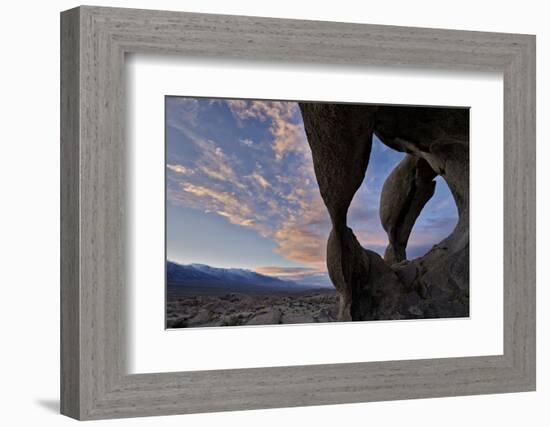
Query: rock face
point(436, 141)
point(405, 192)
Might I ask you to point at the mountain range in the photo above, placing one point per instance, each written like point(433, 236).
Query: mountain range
point(212, 279)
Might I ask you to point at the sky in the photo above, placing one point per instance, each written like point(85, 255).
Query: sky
point(241, 191)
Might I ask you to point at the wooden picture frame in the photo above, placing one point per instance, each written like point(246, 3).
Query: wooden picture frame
point(94, 382)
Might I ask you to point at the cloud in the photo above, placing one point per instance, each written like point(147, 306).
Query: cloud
point(302, 236)
point(180, 169)
point(184, 109)
point(285, 127)
point(223, 203)
point(285, 271)
point(235, 219)
point(219, 196)
point(247, 141)
point(287, 210)
point(299, 231)
point(215, 163)
point(301, 245)
point(294, 217)
point(212, 160)
point(262, 182)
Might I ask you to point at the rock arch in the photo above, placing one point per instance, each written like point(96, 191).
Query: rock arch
point(436, 141)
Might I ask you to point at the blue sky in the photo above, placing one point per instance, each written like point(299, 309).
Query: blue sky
point(241, 191)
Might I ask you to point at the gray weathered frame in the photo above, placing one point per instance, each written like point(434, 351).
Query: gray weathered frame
point(94, 41)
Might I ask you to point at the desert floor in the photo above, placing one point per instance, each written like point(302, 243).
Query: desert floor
point(233, 309)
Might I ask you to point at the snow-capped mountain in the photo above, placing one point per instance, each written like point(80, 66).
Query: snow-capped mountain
point(236, 279)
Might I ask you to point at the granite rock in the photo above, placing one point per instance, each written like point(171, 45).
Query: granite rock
point(436, 141)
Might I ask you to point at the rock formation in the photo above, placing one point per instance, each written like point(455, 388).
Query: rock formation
point(436, 141)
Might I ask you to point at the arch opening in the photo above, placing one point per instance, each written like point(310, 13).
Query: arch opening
point(437, 219)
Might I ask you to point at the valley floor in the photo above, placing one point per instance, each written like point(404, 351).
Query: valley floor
point(233, 309)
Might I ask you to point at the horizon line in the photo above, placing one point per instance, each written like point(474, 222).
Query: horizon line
point(284, 271)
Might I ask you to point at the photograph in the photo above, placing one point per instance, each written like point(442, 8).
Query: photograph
point(290, 212)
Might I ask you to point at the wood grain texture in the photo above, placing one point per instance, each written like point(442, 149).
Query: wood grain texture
point(70, 314)
point(94, 380)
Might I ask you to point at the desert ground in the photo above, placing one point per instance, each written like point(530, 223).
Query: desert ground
point(186, 309)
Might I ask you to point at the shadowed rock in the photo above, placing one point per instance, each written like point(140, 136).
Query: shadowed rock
point(341, 148)
point(437, 143)
point(405, 192)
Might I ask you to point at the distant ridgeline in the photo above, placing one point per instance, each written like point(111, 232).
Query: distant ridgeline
point(204, 277)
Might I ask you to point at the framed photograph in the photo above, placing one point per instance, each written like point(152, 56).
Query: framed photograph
point(262, 213)
point(243, 170)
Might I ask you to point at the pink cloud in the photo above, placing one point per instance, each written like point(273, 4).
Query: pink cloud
point(285, 271)
point(288, 135)
point(180, 169)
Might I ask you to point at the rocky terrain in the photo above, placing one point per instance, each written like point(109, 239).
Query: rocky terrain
point(186, 309)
